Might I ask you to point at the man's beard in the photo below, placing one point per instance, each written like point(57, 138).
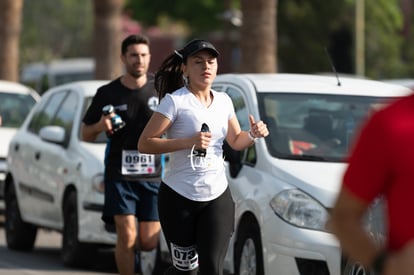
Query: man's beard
point(135, 74)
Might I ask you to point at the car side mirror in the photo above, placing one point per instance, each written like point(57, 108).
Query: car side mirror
point(234, 159)
point(54, 134)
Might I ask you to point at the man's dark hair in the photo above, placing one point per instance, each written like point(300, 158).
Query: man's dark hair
point(134, 39)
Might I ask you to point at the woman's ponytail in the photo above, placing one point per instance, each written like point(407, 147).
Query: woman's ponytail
point(169, 77)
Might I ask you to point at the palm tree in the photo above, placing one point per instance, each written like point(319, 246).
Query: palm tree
point(10, 27)
point(258, 36)
point(107, 39)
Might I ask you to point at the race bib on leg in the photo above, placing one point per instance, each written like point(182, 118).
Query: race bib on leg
point(184, 258)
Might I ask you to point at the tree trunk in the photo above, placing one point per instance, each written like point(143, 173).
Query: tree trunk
point(107, 39)
point(258, 36)
point(10, 27)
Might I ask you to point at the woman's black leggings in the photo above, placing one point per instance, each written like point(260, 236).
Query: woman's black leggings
point(196, 229)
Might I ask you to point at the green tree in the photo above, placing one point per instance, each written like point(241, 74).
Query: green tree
point(64, 28)
point(384, 42)
point(306, 28)
point(56, 29)
point(407, 48)
point(208, 18)
point(203, 15)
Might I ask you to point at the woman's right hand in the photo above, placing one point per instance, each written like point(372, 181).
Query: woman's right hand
point(201, 140)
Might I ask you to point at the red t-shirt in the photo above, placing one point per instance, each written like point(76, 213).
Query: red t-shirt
point(382, 162)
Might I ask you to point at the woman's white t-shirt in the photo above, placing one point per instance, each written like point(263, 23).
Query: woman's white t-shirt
point(197, 178)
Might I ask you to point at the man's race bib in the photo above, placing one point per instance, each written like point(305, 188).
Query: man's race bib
point(135, 163)
point(184, 258)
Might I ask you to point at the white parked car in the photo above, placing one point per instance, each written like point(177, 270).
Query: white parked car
point(407, 82)
point(55, 180)
point(16, 101)
point(285, 185)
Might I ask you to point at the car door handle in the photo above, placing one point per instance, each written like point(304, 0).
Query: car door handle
point(37, 155)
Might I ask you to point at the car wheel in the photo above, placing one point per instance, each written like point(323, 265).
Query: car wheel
point(74, 253)
point(19, 234)
point(248, 251)
point(352, 268)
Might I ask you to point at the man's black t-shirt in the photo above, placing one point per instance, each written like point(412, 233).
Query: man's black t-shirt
point(135, 108)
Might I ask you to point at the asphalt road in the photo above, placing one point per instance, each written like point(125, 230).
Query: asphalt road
point(45, 257)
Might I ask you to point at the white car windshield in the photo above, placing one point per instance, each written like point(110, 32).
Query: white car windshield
point(14, 108)
point(318, 127)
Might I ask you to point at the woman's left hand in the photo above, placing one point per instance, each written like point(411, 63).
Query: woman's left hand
point(258, 129)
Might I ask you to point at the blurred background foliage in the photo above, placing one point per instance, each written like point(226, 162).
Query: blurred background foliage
point(201, 16)
point(305, 28)
point(55, 29)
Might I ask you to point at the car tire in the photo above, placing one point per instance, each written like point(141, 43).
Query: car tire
point(19, 234)
point(74, 253)
point(352, 268)
point(248, 250)
point(151, 262)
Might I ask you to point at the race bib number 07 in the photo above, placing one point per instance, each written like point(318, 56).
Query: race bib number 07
point(184, 258)
point(135, 163)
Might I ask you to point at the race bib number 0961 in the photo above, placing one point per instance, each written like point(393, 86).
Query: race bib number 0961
point(135, 163)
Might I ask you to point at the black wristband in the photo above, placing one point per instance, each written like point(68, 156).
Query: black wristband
point(379, 263)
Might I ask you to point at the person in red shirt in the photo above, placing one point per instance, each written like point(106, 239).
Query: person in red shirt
point(381, 164)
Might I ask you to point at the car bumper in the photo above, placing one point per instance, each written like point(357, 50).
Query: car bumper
point(292, 250)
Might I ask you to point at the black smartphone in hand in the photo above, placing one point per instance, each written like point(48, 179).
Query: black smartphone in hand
point(202, 152)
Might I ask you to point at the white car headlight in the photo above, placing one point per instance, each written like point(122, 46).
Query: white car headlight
point(98, 183)
point(298, 208)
